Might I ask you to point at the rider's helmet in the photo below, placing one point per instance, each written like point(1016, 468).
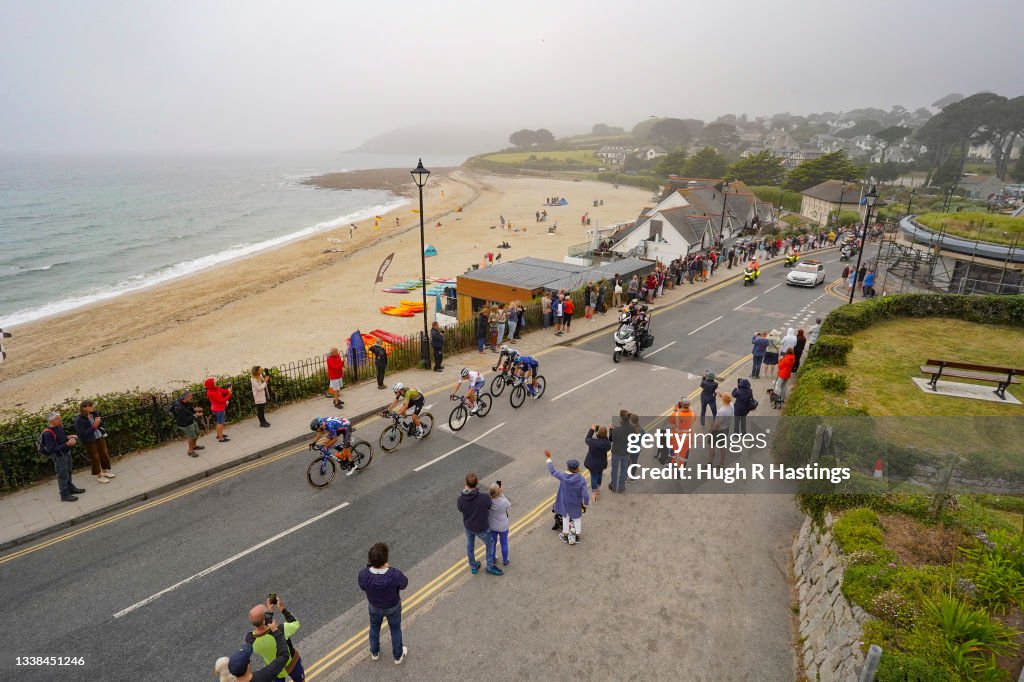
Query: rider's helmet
point(504, 349)
point(398, 388)
point(513, 356)
point(315, 424)
point(464, 372)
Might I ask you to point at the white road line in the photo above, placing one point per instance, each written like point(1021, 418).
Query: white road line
point(428, 406)
point(659, 350)
point(832, 261)
point(452, 452)
point(775, 287)
point(582, 385)
point(743, 304)
point(215, 567)
point(705, 325)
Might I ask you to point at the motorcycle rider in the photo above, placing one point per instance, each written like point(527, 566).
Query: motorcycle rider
point(414, 399)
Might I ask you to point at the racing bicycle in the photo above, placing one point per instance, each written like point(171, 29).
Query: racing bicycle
point(521, 388)
point(457, 419)
point(500, 380)
point(321, 470)
point(391, 437)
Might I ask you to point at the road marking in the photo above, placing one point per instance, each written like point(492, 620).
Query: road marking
point(775, 287)
point(743, 304)
point(452, 452)
point(582, 385)
point(705, 325)
point(428, 406)
point(659, 350)
point(215, 567)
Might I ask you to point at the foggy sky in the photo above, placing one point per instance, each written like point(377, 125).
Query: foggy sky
point(180, 75)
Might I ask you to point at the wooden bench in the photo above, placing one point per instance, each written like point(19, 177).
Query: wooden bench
point(1001, 376)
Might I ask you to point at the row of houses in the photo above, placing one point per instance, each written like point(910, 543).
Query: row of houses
point(617, 155)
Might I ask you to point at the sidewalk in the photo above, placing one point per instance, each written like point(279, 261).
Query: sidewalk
point(35, 511)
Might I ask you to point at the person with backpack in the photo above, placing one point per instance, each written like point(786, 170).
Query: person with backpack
point(185, 413)
point(55, 444)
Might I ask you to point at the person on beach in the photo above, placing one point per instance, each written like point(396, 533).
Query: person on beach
point(437, 345)
point(572, 497)
point(185, 413)
point(596, 461)
point(55, 443)
point(335, 377)
point(482, 325)
point(498, 521)
point(218, 398)
point(91, 435)
point(351, 228)
point(259, 380)
point(380, 362)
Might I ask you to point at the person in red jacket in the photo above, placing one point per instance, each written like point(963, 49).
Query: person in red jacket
point(785, 372)
point(218, 398)
point(567, 312)
point(335, 372)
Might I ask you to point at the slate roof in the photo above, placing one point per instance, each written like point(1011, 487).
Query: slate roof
point(538, 273)
point(832, 191)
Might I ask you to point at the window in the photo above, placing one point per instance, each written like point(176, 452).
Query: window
point(655, 231)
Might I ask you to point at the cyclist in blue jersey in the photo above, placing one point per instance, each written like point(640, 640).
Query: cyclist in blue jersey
point(524, 363)
point(476, 383)
point(334, 428)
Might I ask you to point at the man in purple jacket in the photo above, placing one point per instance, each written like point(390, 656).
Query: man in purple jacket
point(382, 583)
point(475, 506)
point(572, 495)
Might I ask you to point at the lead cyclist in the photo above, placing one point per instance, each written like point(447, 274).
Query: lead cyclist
point(476, 382)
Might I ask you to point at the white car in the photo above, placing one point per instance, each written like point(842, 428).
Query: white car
point(809, 273)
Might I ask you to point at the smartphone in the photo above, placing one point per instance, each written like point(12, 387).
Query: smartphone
point(499, 484)
point(272, 597)
point(268, 617)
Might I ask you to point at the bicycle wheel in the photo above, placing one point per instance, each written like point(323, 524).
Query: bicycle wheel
point(498, 384)
point(457, 419)
point(427, 422)
point(517, 397)
point(390, 438)
point(320, 471)
point(541, 385)
point(361, 455)
point(484, 401)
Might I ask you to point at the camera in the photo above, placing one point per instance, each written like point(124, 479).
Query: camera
point(272, 597)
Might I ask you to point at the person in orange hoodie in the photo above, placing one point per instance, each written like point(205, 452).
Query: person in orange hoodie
point(218, 398)
point(785, 372)
point(681, 422)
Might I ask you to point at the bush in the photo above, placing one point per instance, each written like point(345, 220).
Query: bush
point(834, 383)
point(971, 639)
point(898, 668)
point(859, 529)
point(830, 349)
point(993, 309)
point(650, 182)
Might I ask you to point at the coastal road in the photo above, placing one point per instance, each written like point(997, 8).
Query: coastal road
point(162, 593)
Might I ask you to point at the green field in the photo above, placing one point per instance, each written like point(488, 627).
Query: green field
point(561, 157)
point(999, 229)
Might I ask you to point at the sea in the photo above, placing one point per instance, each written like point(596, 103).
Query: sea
point(77, 230)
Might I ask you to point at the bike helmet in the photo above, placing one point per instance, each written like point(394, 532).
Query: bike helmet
point(464, 372)
point(504, 348)
point(315, 424)
point(398, 388)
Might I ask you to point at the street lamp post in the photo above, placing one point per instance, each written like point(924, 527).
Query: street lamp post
point(419, 176)
point(870, 198)
point(721, 224)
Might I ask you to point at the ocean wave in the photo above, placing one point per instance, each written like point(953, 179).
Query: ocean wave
point(185, 268)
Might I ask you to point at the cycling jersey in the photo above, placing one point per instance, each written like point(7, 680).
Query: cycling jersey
point(335, 426)
point(528, 361)
point(475, 378)
point(411, 394)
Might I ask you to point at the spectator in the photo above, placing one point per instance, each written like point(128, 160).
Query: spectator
point(602, 297)
point(634, 289)
point(785, 372)
point(218, 398)
point(558, 311)
point(812, 336)
point(771, 354)
point(383, 584)
point(264, 643)
point(708, 391)
point(185, 413)
point(545, 309)
point(94, 438)
point(722, 423)
point(788, 341)
point(236, 668)
point(869, 284)
point(596, 460)
point(760, 341)
point(743, 395)
point(681, 423)
point(380, 361)
point(619, 435)
point(572, 496)
point(798, 350)
point(55, 443)
point(501, 319)
point(498, 521)
point(567, 310)
point(437, 344)
point(521, 324)
point(617, 292)
point(512, 316)
point(335, 377)
point(259, 381)
point(482, 325)
point(475, 508)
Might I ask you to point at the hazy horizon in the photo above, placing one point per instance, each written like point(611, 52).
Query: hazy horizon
point(234, 77)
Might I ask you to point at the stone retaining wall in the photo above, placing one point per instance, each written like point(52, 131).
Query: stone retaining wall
point(830, 628)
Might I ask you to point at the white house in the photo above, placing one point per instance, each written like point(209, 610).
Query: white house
point(666, 234)
point(649, 153)
point(613, 154)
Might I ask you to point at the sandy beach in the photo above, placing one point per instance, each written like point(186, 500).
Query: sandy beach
point(298, 300)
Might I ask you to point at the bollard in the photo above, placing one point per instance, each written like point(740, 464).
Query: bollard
point(871, 663)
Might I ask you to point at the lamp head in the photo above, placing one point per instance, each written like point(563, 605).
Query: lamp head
point(871, 197)
point(420, 174)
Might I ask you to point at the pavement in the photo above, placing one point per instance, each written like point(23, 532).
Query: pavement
point(663, 583)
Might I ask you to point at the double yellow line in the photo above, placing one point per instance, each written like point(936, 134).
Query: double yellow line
point(420, 597)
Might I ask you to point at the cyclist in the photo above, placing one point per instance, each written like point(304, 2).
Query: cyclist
point(524, 363)
point(333, 428)
point(476, 382)
point(506, 359)
point(413, 399)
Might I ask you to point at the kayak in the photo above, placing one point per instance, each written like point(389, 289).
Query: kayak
point(412, 304)
point(395, 291)
point(397, 312)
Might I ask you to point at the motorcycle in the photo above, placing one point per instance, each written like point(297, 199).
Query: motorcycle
point(750, 275)
point(791, 260)
point(845, 252)
point(629, 340)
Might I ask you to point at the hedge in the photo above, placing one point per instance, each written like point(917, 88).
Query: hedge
point(650, 182)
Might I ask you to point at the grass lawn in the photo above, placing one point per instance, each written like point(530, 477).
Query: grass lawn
point(999, 229)
point(576, 155)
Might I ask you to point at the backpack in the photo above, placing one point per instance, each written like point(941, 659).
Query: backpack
point(40, 445)
point(753, 404)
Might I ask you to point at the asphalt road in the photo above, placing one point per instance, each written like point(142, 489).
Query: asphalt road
point(160, 594)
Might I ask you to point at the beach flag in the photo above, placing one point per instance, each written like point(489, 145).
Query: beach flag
point(383, 268)
point(377, 217)
point(356, 348)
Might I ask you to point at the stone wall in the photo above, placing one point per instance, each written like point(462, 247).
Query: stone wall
point(830, 628)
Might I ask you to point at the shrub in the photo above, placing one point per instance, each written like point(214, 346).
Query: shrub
point(859, 529)
point(895, 607)
point(899, 668)
point(831, 350)
point(833, 382)
point(971, 639)
point(998, 583)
